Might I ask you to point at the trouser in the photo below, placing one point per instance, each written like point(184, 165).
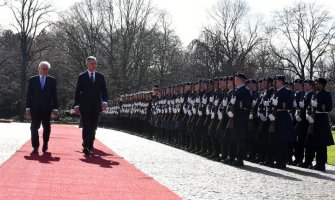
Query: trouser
point(36, 118)
point(90, 122)
point(281, 153)
point(321, 154)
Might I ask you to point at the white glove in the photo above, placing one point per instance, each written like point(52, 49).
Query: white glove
point(219, 115)
point(211, 99)
point(309, 119)
point(212, 115)
point(207, 112)
point(251, 116)
point(189, 113)
point(314, 103)
point(262, 117)
point(233, 100)
point(230, 114)
point(224, 102)
point(197, 100)
point(301, 104)
point(271, 117)
point(204, 100)
point(275, 101)
point(266, 103)
point(194, 111)
point(185, 110)
point(297, 118)
point(216, 102)
point(294, 104)
point(254, 102)
point(200, 113)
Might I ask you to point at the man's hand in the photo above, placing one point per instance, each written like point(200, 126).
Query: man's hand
point(28, 112)
point(55, 113)
point(76, 110)
point(104, 106)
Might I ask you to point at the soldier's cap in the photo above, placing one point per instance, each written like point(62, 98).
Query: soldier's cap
point(155, 86)
point(210, 81)
point(241, 75)
point(298, 80)
point(188, 83)
point(222, 79)
point(268, 79)
point(201, 81)
point(216, 79)
point(280, 77)
point(251, 81)
point(230, 78)
point(309, 81)
point(260, 81)
point(322, 81)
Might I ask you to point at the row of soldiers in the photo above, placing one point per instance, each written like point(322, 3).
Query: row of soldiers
point(231, 119)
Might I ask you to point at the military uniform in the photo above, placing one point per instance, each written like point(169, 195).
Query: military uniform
point(320, 136)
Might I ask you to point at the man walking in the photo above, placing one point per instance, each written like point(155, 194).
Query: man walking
point(90, 99)
point(41, 101)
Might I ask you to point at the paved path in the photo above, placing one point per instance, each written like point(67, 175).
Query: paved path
point(193, 177)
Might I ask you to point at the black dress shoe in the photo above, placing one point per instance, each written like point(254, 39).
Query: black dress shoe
point(238, 163)
point(228, 161)
point(319, 167)
point(305, 165)
point(280, 166)
point(35, 151)
point(45, 148)
point(87, 152)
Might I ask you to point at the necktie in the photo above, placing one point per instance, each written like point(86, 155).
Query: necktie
point(92, 79)
point(42, 81)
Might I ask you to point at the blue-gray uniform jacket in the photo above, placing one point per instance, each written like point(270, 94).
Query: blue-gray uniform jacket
point(322, 134)
point(283, 122)
point(241, 113)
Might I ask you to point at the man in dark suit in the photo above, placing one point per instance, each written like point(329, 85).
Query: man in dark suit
point(41, 101)
point(90, 99)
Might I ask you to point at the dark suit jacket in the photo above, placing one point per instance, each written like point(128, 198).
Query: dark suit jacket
point(89, 96)
point(42, 100)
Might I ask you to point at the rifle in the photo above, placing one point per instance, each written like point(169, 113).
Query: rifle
point(311, 125)
point(222, 109)
point(253, 115)
point(233, 108)
point(300, 110)
point(272, 127)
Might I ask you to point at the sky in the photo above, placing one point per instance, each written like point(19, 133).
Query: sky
point(189, 16)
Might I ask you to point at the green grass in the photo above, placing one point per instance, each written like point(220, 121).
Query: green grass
point(331, 152)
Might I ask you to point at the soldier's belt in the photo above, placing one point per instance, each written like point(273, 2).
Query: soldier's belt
point(318, 112)
point(283, 110)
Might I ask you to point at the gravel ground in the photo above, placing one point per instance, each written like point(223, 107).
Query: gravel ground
point(193, 177)
point(12, 137)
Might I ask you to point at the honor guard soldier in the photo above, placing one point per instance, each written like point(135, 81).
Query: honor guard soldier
point(281, 125)
point(251, 85)
point(238, 112)
point(319, 135)
point(302, 124)
point(263, 130)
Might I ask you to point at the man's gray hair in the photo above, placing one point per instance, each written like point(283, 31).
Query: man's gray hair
point(91, 58)
point(46, 63)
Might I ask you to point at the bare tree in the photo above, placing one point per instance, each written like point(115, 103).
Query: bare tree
point(302, 36)
point(30, 21)
point(232, 38)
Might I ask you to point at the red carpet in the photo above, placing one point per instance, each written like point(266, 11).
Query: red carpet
point(65, 173)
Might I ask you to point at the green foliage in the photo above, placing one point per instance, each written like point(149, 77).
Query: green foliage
point(331, 153)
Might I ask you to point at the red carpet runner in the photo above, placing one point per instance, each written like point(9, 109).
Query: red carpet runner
point(65, 173)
